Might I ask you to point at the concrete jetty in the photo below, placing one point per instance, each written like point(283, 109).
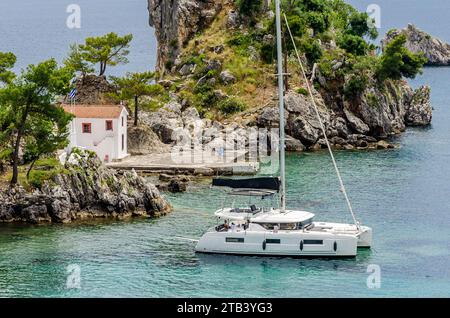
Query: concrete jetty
point(199, 163)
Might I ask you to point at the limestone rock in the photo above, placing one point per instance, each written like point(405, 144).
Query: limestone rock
point(382, 144)
point(175, 23)
point(304, 131)
point(142, 141)
point(186, 69)
point(419, 112)
point(92, 89)
point(174, 184)
point(435, 50)
point(164, 121)
point(269, 117)
point(233, 20)
point(293, 144)
point(227, 77)
point(87, 189)
point(356, 123)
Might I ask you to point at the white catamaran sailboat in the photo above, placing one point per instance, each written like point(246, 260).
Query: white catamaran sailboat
point(279, 231)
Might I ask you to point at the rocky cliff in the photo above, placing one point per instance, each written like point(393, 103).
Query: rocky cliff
point(435, 50)
point(92, 90)
point(176, 21)
point(86, 189)
point(222, 63)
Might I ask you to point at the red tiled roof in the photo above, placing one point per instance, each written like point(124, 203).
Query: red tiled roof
point(94, 111)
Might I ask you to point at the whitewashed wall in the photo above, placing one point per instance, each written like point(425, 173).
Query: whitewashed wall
point(103, 142)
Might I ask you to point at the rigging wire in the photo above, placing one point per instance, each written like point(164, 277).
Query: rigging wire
point(308, 85)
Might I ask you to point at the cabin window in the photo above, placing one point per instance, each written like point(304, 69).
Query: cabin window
point(122, 121)
point(313, 242)
point(304, 223)
point(234, 240)
point(87, 128)
point(288, 226)
point(268, 226)
point(123, 142)
point(273, 241)
point(109, 125)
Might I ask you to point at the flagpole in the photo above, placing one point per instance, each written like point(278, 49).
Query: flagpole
point(73, 129)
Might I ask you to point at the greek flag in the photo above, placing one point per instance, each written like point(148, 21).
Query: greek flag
point(72, 93)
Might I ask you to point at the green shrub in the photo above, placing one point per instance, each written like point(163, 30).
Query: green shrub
point(372, 100)
point(353, 44)
point(231, 105)
point(47, 164)
point(241, 68)
point(391, 32)
point(38, 177)
point(327, 36)
point(78, 151)
point(197, 59)
point(45, 170)
point(297, 25)
point(317, 21)
point(203, 70)
point(267, 53)
point(169, 64)
point(174, 43)
point(204, 97)
point(302, 91)
point(249, 8)
point(359, 26)
point(312, 49)
point(240, 39)
point(326, 63)
point(355, 86)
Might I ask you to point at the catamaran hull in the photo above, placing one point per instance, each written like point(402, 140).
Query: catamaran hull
point(365, 237)
point(278, 244)
point(364, 233)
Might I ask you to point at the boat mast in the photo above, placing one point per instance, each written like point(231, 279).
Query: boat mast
point(281, 106)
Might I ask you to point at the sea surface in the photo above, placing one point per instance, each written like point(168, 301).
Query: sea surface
point(36, 30)
point(404, 194)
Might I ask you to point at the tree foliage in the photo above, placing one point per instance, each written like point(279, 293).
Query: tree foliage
point(7, 62)
point(353, 44)
point(249, 8)
point(76, 61)
point(134, 86)
point(359, 25)
point(397, 61)
point(46, 135)
point(231, 105)
point(30, 98)
point(109, 49)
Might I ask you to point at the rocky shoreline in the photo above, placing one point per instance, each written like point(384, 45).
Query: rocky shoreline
point(361, 126)
point(86, 190)
point(364, 122)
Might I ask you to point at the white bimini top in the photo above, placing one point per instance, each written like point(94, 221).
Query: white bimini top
point(282, 217)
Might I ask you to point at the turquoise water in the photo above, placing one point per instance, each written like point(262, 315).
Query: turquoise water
point(404, 194)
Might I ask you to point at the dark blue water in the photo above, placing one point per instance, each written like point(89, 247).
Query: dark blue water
point(404, 194)
point(430, 15)
point(36, 30)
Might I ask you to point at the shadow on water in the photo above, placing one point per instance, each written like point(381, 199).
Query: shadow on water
point(320, 263)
